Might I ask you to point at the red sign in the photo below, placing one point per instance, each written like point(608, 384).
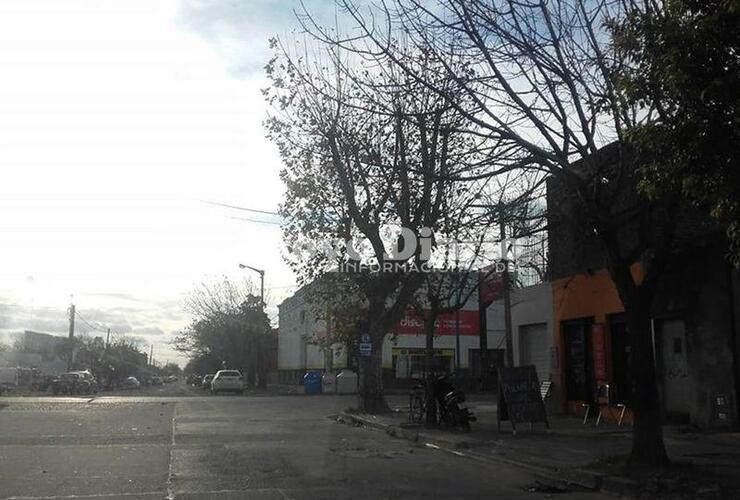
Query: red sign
point(598, 342)
point(491, 285)
point(446, 324)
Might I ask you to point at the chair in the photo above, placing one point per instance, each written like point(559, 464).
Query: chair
point(594, 401)
point(588, 411)
point(603, 400)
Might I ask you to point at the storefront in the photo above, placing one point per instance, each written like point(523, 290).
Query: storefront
point(410, 363)
point(592, 342)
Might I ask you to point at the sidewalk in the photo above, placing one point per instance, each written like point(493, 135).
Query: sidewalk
point(705, 465)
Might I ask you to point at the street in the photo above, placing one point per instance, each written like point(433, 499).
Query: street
point(191, 446)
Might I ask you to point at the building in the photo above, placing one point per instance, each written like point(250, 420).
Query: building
point(42, 351)
point(45, 344)
point(304, 343)
point(694, 319)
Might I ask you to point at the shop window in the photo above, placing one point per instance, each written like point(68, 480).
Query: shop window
point(579, 378)
point(621, 388)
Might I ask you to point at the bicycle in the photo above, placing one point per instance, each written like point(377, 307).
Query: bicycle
point(417, 403)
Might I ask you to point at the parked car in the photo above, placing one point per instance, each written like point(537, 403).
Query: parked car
point(206, 382)
point(73, 383)
point(85, 374)
point(130, 383)
point(194, 379)
point(9, 378)
point(12, 378)
point(227, 381)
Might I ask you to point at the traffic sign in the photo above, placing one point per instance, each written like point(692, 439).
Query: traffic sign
point(366, 349)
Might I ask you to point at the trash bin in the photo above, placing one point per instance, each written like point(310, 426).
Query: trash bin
point(346, 382)
point(328, 383)
point(312, 382)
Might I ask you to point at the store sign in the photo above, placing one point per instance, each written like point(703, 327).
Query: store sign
point(598, 341)
point(420, 351)
point(491, 287)
point(446, 324)
point(519, 397)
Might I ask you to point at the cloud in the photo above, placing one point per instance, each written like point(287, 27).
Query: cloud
point(119, 296)
point(151, 330)
point(240, 30)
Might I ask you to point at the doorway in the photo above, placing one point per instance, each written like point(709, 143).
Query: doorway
point(579, 377)
point(534, 348)
point(675, 368)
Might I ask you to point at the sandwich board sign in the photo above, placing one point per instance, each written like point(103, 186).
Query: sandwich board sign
point(519, 397)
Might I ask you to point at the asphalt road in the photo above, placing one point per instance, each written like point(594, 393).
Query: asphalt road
point(156, 445)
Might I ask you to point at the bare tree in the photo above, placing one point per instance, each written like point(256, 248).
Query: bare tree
point(367, 153)
point(229, 327)
point(541, 75)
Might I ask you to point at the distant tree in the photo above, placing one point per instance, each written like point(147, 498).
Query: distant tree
point(202, 364)
point(4, 347)
point(229, 328)
point(18, 345)
point(172, 368)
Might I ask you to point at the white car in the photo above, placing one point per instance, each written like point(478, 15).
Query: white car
point(227, 380)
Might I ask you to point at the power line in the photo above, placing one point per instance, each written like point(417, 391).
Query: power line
point(255, 220)
point(235, 207)
point(94, 328)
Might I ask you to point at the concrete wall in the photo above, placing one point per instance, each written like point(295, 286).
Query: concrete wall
point(699, 290)
point(298, 326)
point(533, 306)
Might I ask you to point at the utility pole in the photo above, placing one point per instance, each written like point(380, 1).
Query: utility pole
point(457, 342)
point(483, 333)
point(151, 354)
point(261, 272)
point(507, 294)
point(70, 358)
point(107, 340)
point(71, 321)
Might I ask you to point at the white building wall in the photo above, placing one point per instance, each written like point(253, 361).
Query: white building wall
point(529, 306)
point(297, 324)
point(294, 353)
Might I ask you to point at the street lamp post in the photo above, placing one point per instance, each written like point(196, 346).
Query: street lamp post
point(261, 272)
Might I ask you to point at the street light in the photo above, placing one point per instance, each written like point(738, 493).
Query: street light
point(262, 281)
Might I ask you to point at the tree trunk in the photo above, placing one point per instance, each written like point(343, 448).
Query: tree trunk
point(371, 398)
point(262, 365)
point(648, 448)
point(252, 369)
point(431, 403)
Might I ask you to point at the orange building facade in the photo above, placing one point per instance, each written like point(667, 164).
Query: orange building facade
point(592, 348)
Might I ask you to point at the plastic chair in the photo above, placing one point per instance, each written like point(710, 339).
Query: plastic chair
point(603, 399)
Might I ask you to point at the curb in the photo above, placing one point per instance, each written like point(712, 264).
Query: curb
point(590, 480)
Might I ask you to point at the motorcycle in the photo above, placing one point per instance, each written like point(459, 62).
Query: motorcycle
point(450, 403)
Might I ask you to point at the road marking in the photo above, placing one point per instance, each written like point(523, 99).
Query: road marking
point(94, 495)
point(170, 489)
point(285, 495)
point(157, 494)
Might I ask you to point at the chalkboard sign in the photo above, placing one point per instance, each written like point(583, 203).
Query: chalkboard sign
point(519, 398)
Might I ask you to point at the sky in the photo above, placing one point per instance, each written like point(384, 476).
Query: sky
point(119, 122)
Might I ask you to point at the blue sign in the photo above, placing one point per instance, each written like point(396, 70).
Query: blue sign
point(366, 348)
